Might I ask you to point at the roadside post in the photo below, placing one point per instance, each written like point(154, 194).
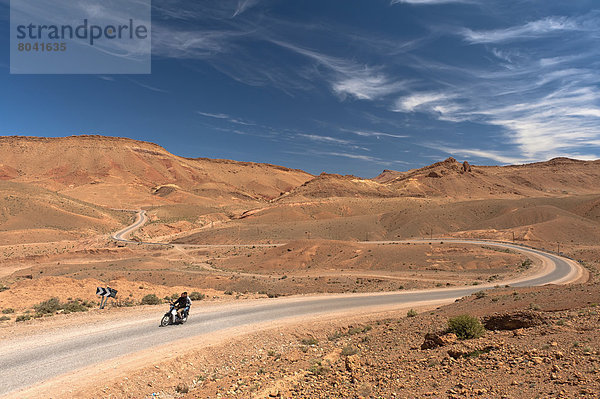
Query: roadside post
point(104, 294)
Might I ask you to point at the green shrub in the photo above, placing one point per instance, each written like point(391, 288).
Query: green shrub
point(358, 330)
point(182, 388)
point(310, 341)
point(349, 350)
point(23, 317)
point(3, 288)
point(126, 303)
point(335, 336)
point(50, 306)
point(411, 313)
point(197, 296)
point(74, 306)
point(8, 311)
point(318, 369)
point(4, 318)
point(151, 299)
point(465, 327)
point(480, 294)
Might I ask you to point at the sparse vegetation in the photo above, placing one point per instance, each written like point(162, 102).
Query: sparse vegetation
point(50, 306)
point(335, 336)
point(526, 264)
point(124, 303)
point(480, 294)
point(76, 306)
point(318, 369)
point(151, 299)
point(182, 388)
point(310, 341)
point(23, 317)
point(349, 350)
point(197, 296)
point(4, 318)
point(8, 311)
point(412, 313)
point(358, 330)
point(54, 305)
point(465, 327)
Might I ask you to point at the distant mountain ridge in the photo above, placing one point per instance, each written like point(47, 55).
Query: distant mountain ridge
point(120, 172)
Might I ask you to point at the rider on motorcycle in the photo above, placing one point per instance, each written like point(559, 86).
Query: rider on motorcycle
point(183, 305)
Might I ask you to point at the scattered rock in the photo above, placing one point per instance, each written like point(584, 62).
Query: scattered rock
point(434, 340)
point(513, 321)
point(537, 360)
point(434, 174)
point(352, 363)
point(466, 167)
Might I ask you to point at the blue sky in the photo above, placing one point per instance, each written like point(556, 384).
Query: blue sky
point(343, 86)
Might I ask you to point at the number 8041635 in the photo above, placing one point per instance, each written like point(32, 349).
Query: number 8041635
point(42, 47)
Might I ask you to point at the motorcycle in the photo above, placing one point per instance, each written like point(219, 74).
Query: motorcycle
point(171, 317)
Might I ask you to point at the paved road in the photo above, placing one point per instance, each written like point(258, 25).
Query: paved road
point(140, 220)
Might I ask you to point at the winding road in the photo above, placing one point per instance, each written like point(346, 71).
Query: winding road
point(25, 362)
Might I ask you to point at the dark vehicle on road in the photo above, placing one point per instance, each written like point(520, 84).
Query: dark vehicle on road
point(172, 317)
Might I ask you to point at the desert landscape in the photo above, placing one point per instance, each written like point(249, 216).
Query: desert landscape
point(238, 234)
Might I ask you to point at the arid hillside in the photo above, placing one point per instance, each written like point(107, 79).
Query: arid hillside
point(219, 201)
point(30, 214)
point(119, 172)
point(451, 179)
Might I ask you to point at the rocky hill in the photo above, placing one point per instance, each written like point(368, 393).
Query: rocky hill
point(120, 172)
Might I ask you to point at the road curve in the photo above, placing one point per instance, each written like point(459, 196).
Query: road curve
point(45, 356)
point(140, 220)
point(31, 361)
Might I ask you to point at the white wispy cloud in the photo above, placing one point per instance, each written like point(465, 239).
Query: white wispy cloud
point(227, 118)
point(421, 101)
point(244, 5)
point(149, 87)
point(324, 139)
point(496, 156)
point(367, 85)
point(361, 157)
point(216, 116)
point(370, 133)
point(429, 2)
point(542, 99)
point(351, 78)
point(539, 128)
point(169, 42)
point(529, 30)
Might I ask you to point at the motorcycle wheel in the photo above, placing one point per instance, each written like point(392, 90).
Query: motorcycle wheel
point(165, 321)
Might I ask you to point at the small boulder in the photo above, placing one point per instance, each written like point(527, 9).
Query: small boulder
point(434, 174)
point(466, 167)
point(352, 363)
point(513, 321)
point(434, 340)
